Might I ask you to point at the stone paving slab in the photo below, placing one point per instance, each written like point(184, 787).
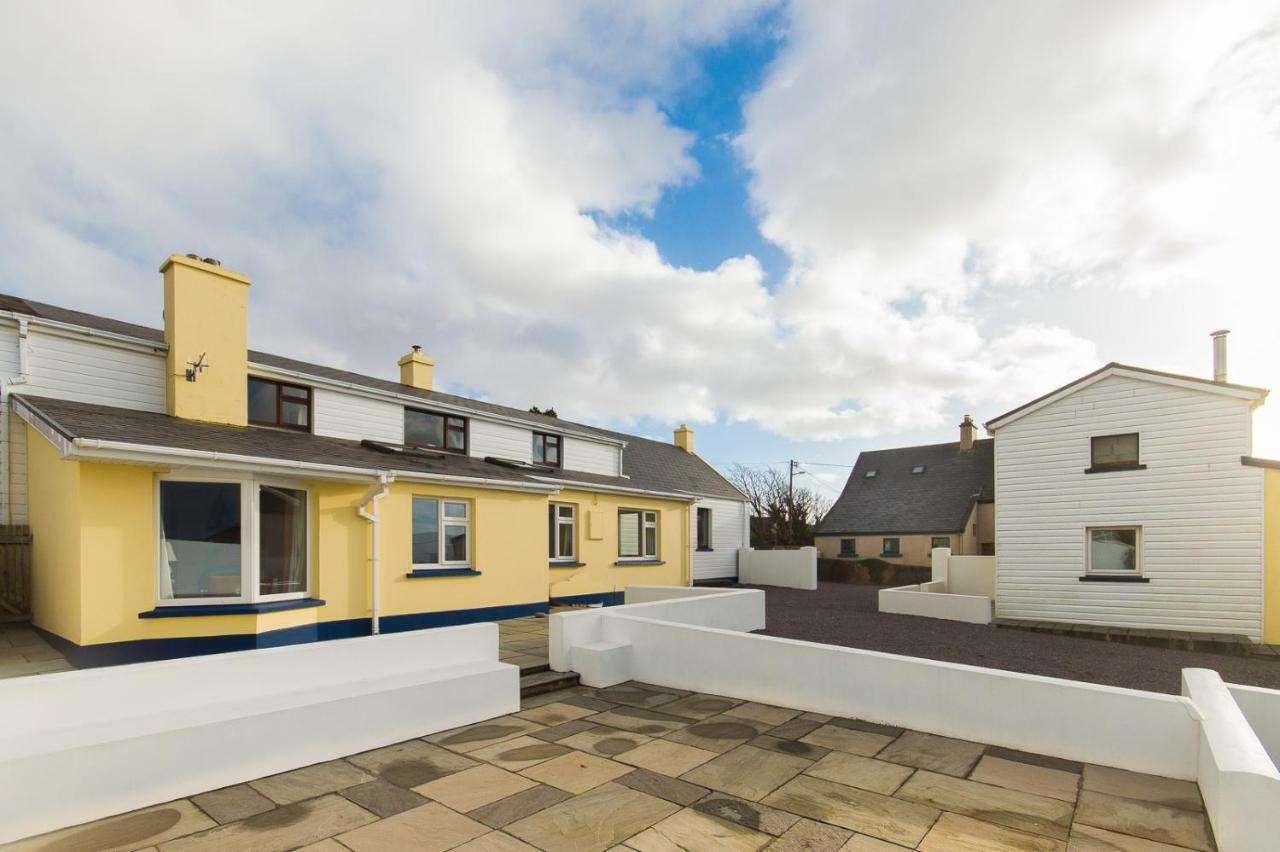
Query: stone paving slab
point(639, 768)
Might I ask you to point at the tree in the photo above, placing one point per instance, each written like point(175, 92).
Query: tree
point(546, 412)
point(780, 517)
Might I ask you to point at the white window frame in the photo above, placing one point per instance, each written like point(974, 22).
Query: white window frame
point(250, 540)
point(645, 524)
point(441, 522)
point(572, 523)
point(1088, 550)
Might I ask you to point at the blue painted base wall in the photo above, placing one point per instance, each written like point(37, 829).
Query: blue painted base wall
point(147, 650)
point(606, 598)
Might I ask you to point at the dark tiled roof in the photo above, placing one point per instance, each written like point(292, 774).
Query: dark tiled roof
point(897, 501)
point(105, 423)
point(650, 465)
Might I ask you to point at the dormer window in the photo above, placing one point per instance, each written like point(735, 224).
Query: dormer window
point(435, 431)
point(280, 405)
point(1113, 452)
point(547, 449)
point(917, 469)
point(871, 474)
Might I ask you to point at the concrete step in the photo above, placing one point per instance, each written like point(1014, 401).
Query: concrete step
point(536, 683)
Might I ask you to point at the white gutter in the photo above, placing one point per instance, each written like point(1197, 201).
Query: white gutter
point(23, 376)
point(375, 493)
point(619, 489)
point(74, 329)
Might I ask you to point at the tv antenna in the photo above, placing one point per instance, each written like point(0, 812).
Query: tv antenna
point(196, 367)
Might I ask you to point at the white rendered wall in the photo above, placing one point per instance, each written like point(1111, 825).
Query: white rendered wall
point(1261, 707)
point(790, 569)
point(728, 536)
point(933, 600)
point(1239, 781)
point(179, 727)
point(965, 575)
point(1200, 510)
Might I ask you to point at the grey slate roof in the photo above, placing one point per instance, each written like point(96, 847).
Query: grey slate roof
point(897, 501)
point(648, 465)
point(106, 423)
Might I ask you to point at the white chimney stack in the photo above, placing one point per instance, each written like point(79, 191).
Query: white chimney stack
point(1220, 354)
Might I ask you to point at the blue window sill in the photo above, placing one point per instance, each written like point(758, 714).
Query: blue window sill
point(568, 564)
point(892, 555)
point(1113, 578)
point(640, 562)
point(1115, 468)
point(443, 572)
point(229, 609)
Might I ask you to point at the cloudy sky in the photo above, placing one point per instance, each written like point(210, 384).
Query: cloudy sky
point(805, 228)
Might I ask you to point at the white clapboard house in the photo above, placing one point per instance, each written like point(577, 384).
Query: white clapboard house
point(1129, 498)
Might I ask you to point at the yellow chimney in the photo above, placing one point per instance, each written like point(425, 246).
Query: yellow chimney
point(416, 370)
point(684, 438)
point(968, 431)
point(206, 325)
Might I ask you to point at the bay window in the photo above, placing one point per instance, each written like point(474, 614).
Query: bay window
point(637, 534)
point(441, 533)
point(229, 541)
point(562, 532)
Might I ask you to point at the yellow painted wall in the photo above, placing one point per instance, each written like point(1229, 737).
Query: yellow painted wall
point(1271, 559)
point(597, 530)
point(53, 487)
point(915, 549)
point(206, 310)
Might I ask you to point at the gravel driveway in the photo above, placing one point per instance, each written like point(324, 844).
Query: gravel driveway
point(845, 614)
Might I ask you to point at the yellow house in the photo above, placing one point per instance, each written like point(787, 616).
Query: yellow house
point(196, 496)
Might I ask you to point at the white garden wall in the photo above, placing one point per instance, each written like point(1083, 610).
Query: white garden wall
point(81, 745)
point(1261, 707)
point(788, 569)
point(932, 600)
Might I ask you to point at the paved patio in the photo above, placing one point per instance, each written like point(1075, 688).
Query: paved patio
point(24, 652)
point(523, 641)
point(645, 768)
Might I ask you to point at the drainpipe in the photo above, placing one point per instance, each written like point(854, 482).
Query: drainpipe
point(24, 370)
point(375, 493)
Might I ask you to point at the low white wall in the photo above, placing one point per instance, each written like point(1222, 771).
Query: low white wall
point(789, 569)
point(932, 600)
point(1261, 707)
point(965, 575)
point(646, 594)
point(731, 609)
point(1129, 729)
point(81, 745)
point(1239, 781)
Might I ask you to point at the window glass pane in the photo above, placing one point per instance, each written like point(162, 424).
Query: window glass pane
point(650, 518)
point(1113, 550)
point(455, 543)
point(293, 413)
point(704, 528)
point(282, 540)
point(890, 545)
point(423, 428)
point(551, 532)
point(262, 401)
point(847, 546)
point(1115, 449)
point(566, 511)
point(629, 533)
point(941, 542)
point(455, 510)
point(200, 539)
point(566, 540)
point(539, 447)
point(295, 392)
point(457, 436)
point(650, 541)
point(553, 452)
point(426, 531)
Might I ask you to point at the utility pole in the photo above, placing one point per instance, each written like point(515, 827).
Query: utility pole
point(791, 482)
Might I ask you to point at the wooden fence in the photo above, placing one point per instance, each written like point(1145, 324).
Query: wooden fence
point(15, 570)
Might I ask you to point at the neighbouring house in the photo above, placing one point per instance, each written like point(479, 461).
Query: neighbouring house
point(901, 503)
point(187, 495)
point(1130, 498)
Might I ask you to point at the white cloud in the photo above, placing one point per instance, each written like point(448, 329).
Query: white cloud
point(427, 175)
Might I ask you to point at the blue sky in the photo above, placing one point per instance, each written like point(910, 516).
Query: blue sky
point(804, 228)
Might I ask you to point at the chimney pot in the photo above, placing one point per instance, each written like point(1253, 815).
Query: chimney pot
point(1220, 354)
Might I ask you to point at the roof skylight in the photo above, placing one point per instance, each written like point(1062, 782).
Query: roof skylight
point(918, 469)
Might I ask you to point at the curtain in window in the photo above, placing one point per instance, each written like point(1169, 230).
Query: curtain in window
point(282, 540)
point(426, 531)
point(629, 533)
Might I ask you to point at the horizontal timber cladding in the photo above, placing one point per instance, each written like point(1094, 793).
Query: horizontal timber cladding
point(728, 533)
point(1199, 508)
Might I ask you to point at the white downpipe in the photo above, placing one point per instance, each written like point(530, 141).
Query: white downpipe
point(24, 374)
point(375, 493)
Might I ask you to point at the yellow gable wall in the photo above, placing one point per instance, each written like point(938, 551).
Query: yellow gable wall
point(1271, 559)
point(597, 532)
point(53, 487)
